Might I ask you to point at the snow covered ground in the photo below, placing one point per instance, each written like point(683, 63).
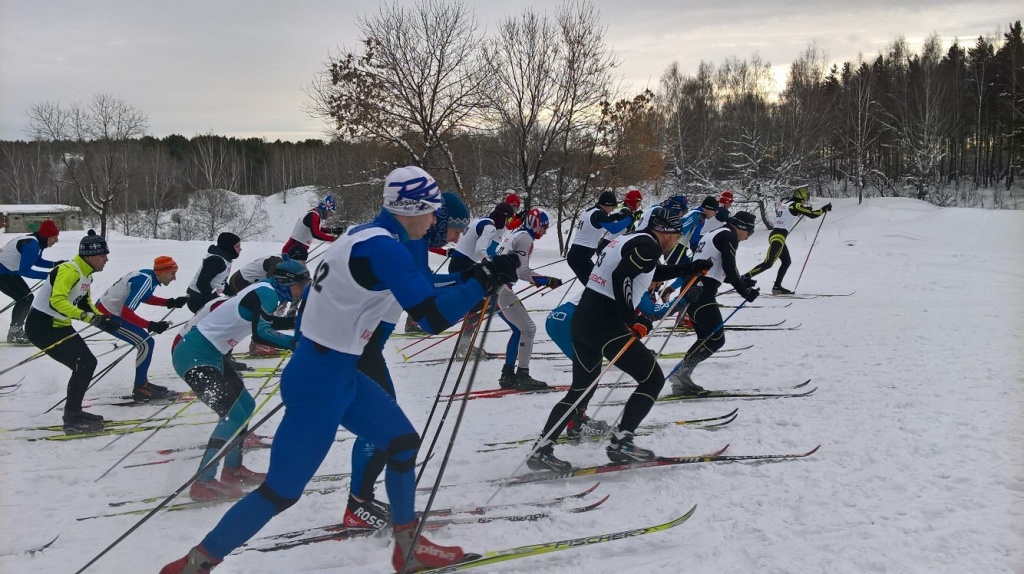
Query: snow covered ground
point(919, 411)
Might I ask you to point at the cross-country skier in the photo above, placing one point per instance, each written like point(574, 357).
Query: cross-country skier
point(368, 462)
point(718, 248)
point(311, 226)
point(511, 310)
point(64, 297)
point(214, 272)
point(596, 223)
point(200, 360)
point(605, 322)
point(513, 222)
point(676, 204)
point(785, 218)
point(20, 258)
point(725, 201)
point(354, 285)
point(122, 299)
point(262, 268)
point(632, 201)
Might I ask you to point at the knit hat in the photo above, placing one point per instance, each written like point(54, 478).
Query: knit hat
point(743, 220)
point(710, 202)
point(163, 264)
point(92, 244)
point(227, 241)
point(607, 199)
point(410, 191)
point(458, 213)
point(665, 221)
point(47, 229)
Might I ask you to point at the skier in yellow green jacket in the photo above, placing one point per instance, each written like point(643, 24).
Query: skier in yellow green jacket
point(65, 296)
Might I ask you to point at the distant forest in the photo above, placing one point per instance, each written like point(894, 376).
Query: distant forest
point(532, 107)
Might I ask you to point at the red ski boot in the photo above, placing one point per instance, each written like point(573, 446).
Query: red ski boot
point(214, 491)
point(239, 476)
point(425, 555)
point(197, 561)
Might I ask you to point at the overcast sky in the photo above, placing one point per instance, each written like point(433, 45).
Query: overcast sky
point(237, 68)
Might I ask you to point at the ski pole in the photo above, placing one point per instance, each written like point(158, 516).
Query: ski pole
point(43, 351)
point(149, 436)
point(406, 358)
point(549, 264)
point(567, 287)
point(451, 446)
point(96, 378)
point(422, 339)
point(235, 441)
point(671, 310)
point(815, 240)
point(455, 386)
point(19, 299)
point(590, 388)
point(446, 258)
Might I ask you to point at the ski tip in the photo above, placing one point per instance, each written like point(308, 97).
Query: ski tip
point(803, 384)
point(591, 489)
point(812, 451)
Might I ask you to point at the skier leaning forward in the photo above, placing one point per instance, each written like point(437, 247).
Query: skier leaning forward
point(200, 358)
point(605, 322)
point(354, 286)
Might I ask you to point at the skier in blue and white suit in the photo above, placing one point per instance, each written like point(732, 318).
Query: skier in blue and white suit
point(353, 287)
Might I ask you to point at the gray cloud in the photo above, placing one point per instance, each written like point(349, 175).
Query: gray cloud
point(237, 68)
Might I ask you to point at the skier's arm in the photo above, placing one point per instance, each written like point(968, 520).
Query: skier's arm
point(805, 210)
point(31, 256)
point(258, 306)
point(212, 267)
point(313, 222)
point(64, 278)
point(613, 223)
point(381, 262)
point(726, 244)
point(638, 257)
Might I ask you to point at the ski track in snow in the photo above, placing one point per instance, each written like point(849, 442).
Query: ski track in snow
point(919, 411)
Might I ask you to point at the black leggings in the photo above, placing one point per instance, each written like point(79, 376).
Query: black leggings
point(706, 316)
point(581, 261)
point(372, 364)
point(72, 353)
point(597, 333)
point(15, 287)
point(217, 389)
point(777, 250)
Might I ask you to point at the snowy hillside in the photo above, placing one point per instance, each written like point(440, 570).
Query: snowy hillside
point(919, 411)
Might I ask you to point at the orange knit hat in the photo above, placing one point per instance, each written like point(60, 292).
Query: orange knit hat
point(164, 263)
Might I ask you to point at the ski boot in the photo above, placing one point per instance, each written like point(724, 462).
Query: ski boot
point(81, 422)
point(780, 290)
point(413, 328)
point(241, 477)
point(524, 382)
point(508, 377)
point(371, 514)
point(622, 449)
point(214, 491)
point(544, 458)
point(682, 384)
point(16, 336)
point(148, 392)
point(581, 426)
point(258, 350)
point(197, 561)
point(425, 555)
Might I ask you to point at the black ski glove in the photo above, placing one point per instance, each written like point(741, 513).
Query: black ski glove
point(493, 274)
point(100, 321)
point(699, 265)
point(554, 283)
point(158, 326)
point(827, 207)
point(176, 302)
point(751, 294)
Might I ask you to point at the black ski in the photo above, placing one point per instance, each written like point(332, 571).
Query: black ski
point(660, 461)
